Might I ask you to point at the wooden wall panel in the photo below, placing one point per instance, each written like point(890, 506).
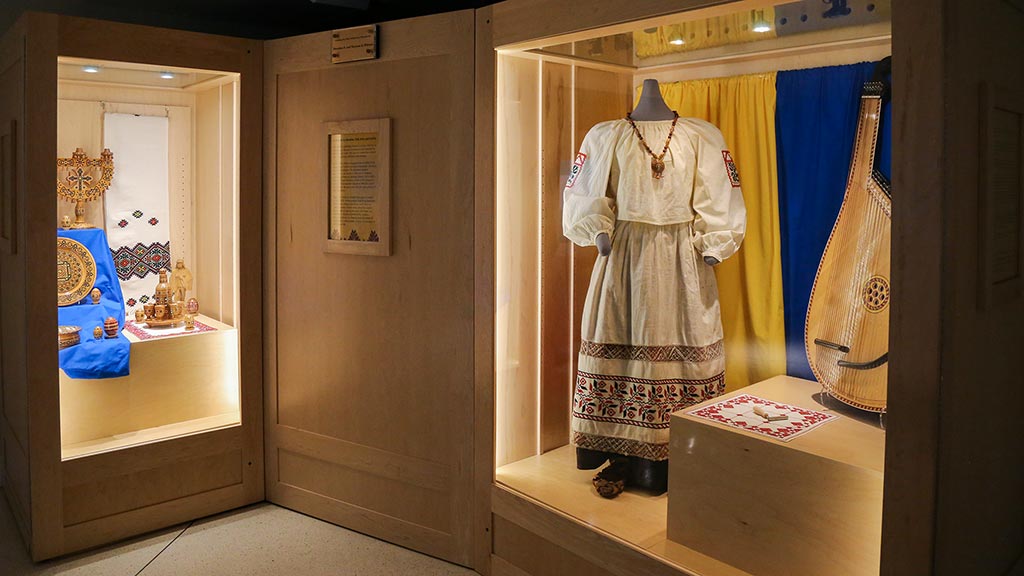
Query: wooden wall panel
point(556, 257)
point(518, 258)
point(374, 355)
point(183, 477)
point(982, 337)
point(40, 281)
point(216, 194)
point(532, 555)
point(13, 385)
point(484, 304)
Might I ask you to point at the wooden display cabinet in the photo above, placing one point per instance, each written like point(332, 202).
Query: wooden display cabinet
point(90, 462)
point(537, 96)
point(426, 317)
point(549, 93)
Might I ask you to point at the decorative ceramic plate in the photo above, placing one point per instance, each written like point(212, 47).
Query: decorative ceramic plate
point(76, 271)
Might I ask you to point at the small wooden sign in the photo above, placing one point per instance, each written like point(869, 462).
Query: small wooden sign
point(353, 44)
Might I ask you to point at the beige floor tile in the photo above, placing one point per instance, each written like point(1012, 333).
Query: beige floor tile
point(126, 558)
point(265, 540)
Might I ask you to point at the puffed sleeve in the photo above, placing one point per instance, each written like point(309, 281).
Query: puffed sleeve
point(720, 217)
point(588, 203)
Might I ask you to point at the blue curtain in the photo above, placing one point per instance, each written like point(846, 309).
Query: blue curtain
point(815, 124)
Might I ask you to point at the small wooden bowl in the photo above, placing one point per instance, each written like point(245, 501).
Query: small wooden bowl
point(68, 336)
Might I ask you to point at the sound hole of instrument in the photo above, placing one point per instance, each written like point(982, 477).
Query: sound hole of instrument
point(876, 294)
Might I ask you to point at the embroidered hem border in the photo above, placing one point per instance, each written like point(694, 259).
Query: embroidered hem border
point(639, 402)
point(653, 353)
point(624, 446)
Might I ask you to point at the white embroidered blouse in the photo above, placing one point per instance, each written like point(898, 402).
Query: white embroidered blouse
point(611, 180)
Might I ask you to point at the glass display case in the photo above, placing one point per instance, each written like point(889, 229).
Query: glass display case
point(162, 235)
point(775, 80)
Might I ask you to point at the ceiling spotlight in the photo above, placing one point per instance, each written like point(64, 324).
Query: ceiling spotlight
point(90, 69)
point(167, 75)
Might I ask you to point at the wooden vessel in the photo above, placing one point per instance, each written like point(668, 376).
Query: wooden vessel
point(68, 336)
point(847, 327)
point(162, 311)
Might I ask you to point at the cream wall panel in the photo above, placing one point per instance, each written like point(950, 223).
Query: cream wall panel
point(517, 353)
point(373, 356)
point(216, 195)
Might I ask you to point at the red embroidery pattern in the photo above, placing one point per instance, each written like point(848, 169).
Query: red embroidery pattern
point(735, 412)
point(141, 334)
point(712, 351)
point(577, 167)
point(730, 167)
point(637, 401)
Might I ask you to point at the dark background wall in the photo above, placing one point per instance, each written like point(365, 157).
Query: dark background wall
point(262, 19)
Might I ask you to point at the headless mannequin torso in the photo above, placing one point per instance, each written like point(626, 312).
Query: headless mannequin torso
point(651, 107)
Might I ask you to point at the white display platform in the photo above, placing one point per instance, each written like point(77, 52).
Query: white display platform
point(178, 385)
point(808, 505)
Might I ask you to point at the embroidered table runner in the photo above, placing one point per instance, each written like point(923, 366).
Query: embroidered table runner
point(137, 204)
point(738, 412)
point(143, 333)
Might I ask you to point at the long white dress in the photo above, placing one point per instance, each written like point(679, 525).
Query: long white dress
point(651, 331)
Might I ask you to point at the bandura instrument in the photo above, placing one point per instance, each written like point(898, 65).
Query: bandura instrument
point(847, 327)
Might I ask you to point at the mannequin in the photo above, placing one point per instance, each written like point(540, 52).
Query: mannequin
point(651, 340)
point(651, 107)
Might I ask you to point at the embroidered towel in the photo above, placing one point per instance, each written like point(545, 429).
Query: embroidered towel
point(137, 203)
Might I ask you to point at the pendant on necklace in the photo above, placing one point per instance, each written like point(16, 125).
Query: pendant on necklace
point(657, 168)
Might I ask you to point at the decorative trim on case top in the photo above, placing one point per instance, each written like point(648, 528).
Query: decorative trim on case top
point(680, 353)
point(624, 446)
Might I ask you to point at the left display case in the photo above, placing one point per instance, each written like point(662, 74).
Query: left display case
point(131, 160)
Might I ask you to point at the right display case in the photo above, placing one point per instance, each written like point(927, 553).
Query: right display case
point(692, 282)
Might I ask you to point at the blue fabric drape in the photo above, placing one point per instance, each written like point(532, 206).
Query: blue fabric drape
point(815, 125)
point(106, 357)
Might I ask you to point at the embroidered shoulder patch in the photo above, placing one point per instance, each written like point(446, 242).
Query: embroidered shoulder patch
point(730, 167)
point(577, 167)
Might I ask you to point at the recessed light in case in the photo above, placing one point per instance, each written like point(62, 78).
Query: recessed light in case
point(760, 23)
point(167, 75)
point(675, 38)
point(90, 69)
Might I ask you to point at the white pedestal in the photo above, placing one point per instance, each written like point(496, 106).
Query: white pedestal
point(812, 505)
point(178, 385)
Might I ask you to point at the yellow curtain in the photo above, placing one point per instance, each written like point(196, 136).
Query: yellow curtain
point(750, 283)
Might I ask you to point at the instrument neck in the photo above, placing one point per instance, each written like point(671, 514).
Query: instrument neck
point(863, 162)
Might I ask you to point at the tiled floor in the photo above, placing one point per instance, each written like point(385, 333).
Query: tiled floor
point(260, 540)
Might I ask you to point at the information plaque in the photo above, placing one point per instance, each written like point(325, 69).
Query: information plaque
point(359, 187)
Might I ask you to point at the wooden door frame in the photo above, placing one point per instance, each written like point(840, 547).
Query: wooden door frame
point(48, 37)
point(915, 333)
